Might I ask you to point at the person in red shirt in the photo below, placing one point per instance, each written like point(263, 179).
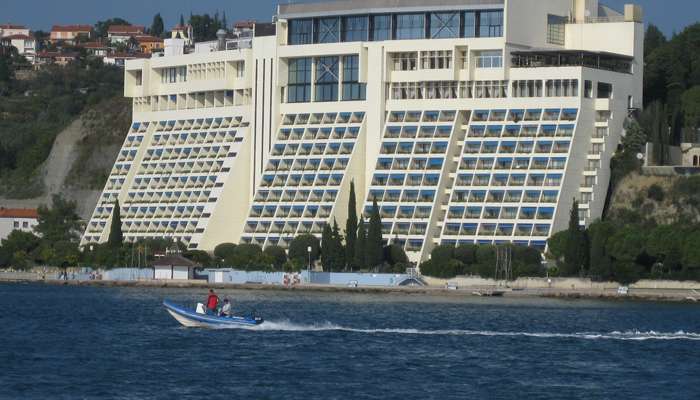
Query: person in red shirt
point(212, 302)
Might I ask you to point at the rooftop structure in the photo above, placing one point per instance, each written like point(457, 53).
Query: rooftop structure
point(468, 121)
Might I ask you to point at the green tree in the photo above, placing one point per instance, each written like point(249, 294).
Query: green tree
point(223, 251)
point(653, 39)
point(441, 255)
point(338, 248)
point(690, 107)
point(600, 261)
point(576, 250)
point(157, 27)
point(58, 223)
point(17, 249)
point(116, 237)
point(277, 255)
point(360, 256)
point(247, 256)
point(351, 228)
point(298, 249)
point(466, 254)
point(182, 20)
point(374, 244)
point(327, 250)
point(200, 257)
point(101, 27)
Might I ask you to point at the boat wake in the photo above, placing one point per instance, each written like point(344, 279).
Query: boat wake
point(632, 335)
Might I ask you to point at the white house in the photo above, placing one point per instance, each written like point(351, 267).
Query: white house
point(25, 45)
point(173, 267)
point(17, 219)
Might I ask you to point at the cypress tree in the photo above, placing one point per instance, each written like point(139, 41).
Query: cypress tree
point(351, 229)
point(182, 20)
point(375, 251)
point(360, 255)
point(339, 251)
point(327, 248)
point(115, 231)
point(576, 249)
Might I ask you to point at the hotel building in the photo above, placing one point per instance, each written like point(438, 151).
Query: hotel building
point(469, 121)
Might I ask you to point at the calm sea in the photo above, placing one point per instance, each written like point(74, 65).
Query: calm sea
point(92, 343)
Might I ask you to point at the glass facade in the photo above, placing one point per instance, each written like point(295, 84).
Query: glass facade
point(328, 30)
point(352, 88)
point(444, 25)
point(326, 79)
point(355, 29)
point(301, 31)
point(381, 27)
point(299, 78)
point(410, 26)
point(437, 25)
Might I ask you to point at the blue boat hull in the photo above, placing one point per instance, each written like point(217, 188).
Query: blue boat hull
point(190, 318)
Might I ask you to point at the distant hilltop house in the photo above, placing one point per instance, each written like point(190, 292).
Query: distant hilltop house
point(11, 30)
point(183, 32)
point(97, 49)
point(56, 57)
point(122, 33)
point(24, 43)
point(17, 219)
point(119, 59)
point(149, 44)
point(70, 33)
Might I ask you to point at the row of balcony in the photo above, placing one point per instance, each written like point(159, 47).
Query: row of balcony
point(307, 149)
point(324, 118)
point(296, 196)
point(315, 134)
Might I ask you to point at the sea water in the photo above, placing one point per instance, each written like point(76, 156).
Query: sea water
point(67, 342)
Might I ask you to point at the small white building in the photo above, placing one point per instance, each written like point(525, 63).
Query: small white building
point(173, 267)
point(17, 219)
point(122, 33)
point(25, 45)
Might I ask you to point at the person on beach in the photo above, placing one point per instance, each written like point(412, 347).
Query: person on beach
point(212, 302)
point(225, 309)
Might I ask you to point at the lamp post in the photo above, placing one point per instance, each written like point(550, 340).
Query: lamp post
point(308, 250)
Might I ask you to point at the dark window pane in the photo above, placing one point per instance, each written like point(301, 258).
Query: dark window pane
point(381, 27)
point(410, 26)
point(355, 29)
point(444, 25)
point(491, 23)
point(470, 24)
point(299, 77)
point(328, 30)
point(352, 89)
point(327, 79)
point(300, 31)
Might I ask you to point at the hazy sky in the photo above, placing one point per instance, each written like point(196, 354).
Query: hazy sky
point(669, 15)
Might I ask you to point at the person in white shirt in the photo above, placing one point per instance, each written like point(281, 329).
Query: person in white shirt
point(225, 309)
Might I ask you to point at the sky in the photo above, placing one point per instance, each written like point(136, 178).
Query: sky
point(669, 15)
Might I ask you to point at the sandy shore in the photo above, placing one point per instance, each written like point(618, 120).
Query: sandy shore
point(672, 295)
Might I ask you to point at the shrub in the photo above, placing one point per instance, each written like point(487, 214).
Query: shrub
point(299, 245)
point(277, 255)
point(656, 193)
point(247, 256)
point(224, 250)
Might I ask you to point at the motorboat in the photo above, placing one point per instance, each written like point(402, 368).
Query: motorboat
point(199, 318)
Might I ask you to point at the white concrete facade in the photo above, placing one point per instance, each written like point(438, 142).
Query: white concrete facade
point(467, 120)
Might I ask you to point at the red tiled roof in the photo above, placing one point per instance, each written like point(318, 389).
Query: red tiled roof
point(11, 37)
point(94, 45)
point(244, 24)
point(18, 213)
point(126, 29)
point(129, 55)
point(179, 27)
point(71, 28)
point(11, 26)
point(148, 38)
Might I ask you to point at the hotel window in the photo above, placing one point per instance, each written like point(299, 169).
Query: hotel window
point(182, 74)
point(488, 59)
point(355, 29)
point(381, 27)
point(444, 25)
point(240, 69)
point(410, 26)
point(405, 61)
point(328, 30)
point(605, 90)
point(301, 31)
point(529, 88)
point(299, 88)
point(439, 90)
point(436, 59)
point(352, 88)
point(588, 89)
point(561, 88)
point(326, 79)
point(556, 26)
point(139, 78)
point(469, 24)
point(491, 23)
point(490, 89)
